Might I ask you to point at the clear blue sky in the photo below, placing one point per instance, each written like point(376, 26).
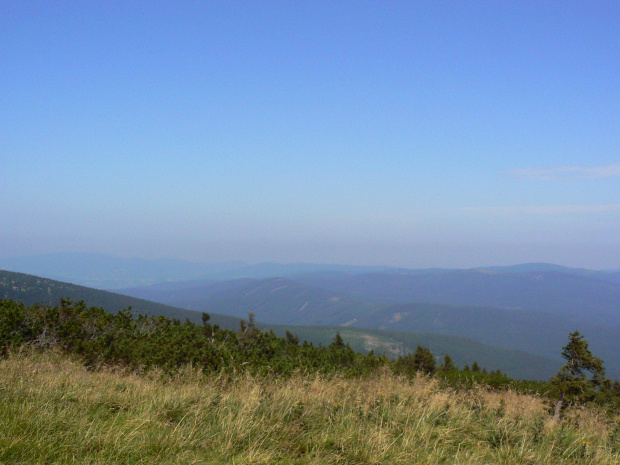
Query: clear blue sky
point(403, 133)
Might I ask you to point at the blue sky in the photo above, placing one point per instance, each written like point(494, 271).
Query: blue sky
point(397, 133)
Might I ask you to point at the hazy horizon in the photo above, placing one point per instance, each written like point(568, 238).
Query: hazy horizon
point(98, 255)
point(406, 134)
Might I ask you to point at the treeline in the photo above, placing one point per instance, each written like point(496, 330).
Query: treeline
point(144, 342)
point(141, 342)
point(424, 361)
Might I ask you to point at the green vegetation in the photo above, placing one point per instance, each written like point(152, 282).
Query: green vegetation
point(421, 360)
point(572, 383)
point(81, 385)
point(144, 342)
point(511, 310)
point(36, 290)
point(532, 331)
point(55, 411)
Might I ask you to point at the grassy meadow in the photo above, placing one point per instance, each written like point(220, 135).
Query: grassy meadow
point(56, 411)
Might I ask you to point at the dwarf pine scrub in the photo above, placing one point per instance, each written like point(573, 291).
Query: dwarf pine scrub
point(79, 385)
point(56, 411)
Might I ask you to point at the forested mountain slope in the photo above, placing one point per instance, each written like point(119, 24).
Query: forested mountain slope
point(519, 364)
point(32, 290)
point(341, 299)
point(565, 294)
point(274, 300)
point(535, 332)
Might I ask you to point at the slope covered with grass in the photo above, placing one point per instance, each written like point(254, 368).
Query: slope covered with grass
point(56, 411)
point(80, 385)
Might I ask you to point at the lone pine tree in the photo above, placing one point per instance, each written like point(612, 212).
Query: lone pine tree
point(578, 379)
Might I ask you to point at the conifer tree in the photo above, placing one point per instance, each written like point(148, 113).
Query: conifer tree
point(338, 341)
point(421, 360)
point(578, 379)
point(292, 338)
point(251, 321)
point(448, 364)
point(424, 360)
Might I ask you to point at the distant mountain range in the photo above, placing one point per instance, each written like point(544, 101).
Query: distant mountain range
point(521, 364)
point(103, 271)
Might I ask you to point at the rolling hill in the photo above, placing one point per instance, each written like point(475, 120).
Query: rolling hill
point(35, 290)
point(463, 350)
point(564, 294)
point(274, 300)
point(356, 301)
point(32, 289)
point(535, 332)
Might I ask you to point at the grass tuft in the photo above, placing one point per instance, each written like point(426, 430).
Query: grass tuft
point(55, 411)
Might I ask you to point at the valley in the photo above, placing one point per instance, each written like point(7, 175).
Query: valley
point(511, 318)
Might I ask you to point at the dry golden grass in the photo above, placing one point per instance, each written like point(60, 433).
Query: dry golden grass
point(56, 412)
